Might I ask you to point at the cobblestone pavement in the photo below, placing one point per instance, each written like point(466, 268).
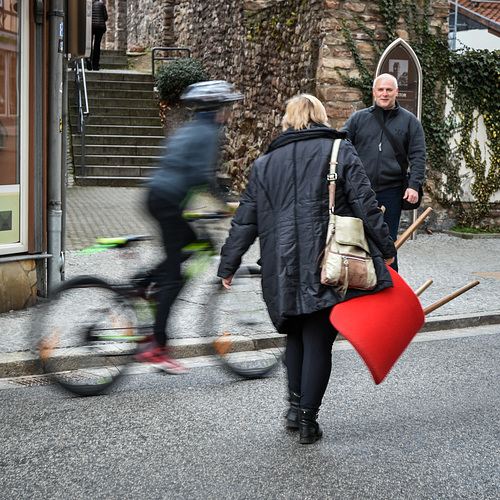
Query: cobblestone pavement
point(96, 212)
point(92, 212)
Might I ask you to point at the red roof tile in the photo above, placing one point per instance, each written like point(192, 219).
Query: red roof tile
point(488, 10)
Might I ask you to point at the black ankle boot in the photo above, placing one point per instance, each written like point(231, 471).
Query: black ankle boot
point(310, 430)
point(292, 417)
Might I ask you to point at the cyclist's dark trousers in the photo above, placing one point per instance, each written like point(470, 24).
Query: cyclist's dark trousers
point(176, 233)
point(309, 356)
point(392, 200)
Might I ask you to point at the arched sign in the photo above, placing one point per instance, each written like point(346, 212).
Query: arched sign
point(400, 60)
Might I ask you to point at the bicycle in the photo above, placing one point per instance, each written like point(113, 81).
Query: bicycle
point(90, 329)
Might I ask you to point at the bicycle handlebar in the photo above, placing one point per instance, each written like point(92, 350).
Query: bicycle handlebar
point(192, 216)
point(122, 241)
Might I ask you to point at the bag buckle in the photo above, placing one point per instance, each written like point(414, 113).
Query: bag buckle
point(332, 177)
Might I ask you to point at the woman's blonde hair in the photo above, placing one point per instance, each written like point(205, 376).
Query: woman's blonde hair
point(302, 110)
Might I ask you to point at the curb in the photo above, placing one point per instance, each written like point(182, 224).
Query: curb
point(460, 321)
point(26, 363)
point(471, 236)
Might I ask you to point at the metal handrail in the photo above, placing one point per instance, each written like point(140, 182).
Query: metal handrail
point(168, 58)
point(81, 88)
point(86, 112)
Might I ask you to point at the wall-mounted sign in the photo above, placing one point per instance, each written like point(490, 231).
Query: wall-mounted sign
point(400, 60)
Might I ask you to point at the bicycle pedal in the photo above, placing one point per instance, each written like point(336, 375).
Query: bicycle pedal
point(223, 344)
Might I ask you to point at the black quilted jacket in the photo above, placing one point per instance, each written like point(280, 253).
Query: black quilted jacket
point(99, 15)
point(285, 205)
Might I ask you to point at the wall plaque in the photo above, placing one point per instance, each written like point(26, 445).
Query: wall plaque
point(400, 60)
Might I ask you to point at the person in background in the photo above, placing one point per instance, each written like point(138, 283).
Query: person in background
point(286, 205)
point(99, 18)
point(377, 154)
point(188, 164)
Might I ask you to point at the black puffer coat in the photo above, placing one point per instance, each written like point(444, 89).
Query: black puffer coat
point(285, 204)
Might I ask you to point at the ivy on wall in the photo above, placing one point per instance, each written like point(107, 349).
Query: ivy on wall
point(473, 82)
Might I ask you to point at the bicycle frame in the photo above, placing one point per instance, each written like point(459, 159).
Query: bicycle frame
point(89, 350)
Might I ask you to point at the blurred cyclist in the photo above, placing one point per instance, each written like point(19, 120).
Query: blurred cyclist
point(188, 164)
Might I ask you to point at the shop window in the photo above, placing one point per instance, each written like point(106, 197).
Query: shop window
point(12, 162)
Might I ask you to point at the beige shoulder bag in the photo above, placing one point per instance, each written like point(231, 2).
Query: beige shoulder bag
point(346, 261)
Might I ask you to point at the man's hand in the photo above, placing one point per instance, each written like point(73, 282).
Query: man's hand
point(226, 282)
point(411, 195)
point(389, 261)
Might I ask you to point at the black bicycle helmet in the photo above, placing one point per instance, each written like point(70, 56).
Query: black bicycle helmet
point(210, 96)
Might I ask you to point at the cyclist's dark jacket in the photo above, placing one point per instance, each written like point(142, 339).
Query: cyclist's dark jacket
point(285, 204)
point(376, 152)
point(188, 162)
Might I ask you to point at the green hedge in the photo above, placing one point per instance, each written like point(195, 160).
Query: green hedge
point(174, 76)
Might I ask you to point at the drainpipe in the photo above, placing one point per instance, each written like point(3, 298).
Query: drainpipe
point(455, 27)
point(54, 143)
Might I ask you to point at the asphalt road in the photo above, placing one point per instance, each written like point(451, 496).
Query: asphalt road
point(429, 431)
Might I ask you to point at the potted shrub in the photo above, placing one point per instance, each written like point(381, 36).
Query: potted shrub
point(171, 80)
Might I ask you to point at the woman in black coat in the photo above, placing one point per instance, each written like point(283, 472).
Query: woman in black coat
point(285, 205)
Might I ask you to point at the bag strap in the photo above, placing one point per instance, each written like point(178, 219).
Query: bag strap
point(332, 175)
point(399, 157)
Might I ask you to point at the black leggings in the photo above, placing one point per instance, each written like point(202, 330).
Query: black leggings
point(176, 233)
point(309, 357)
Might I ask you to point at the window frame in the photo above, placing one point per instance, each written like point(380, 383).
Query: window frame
point(23, 134)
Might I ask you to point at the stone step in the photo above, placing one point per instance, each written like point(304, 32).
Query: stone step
point(116, 170)
point(118, 140)
point(124, 138)
point(152, 121)
point(117, 75)
point(115, 78)
point(116, 85)
point(110, 181)
point(118, 102)
point(92, 129)
point(117, 160)
point(113, 59)
point(122, 149)
point(110, 65)
point(120, 112)
point(97, 92)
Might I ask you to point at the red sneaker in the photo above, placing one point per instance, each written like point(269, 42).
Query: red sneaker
point(150, 355)
point(158, 358)
point(170, 365)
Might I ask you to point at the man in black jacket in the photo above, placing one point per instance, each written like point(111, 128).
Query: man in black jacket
point(377, 154)
point(99, 18)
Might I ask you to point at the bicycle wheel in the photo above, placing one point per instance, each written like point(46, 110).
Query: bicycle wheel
point(87, 332)
point(245, 340)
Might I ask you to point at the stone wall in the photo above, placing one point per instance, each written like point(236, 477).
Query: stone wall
point(340, 100)
point(271, 50)
point(149, 23)
point(268, 49)
point(19, 285)
point(116, 26)
point(274, 49)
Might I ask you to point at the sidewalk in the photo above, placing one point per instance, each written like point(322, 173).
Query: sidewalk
point(94, 212)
